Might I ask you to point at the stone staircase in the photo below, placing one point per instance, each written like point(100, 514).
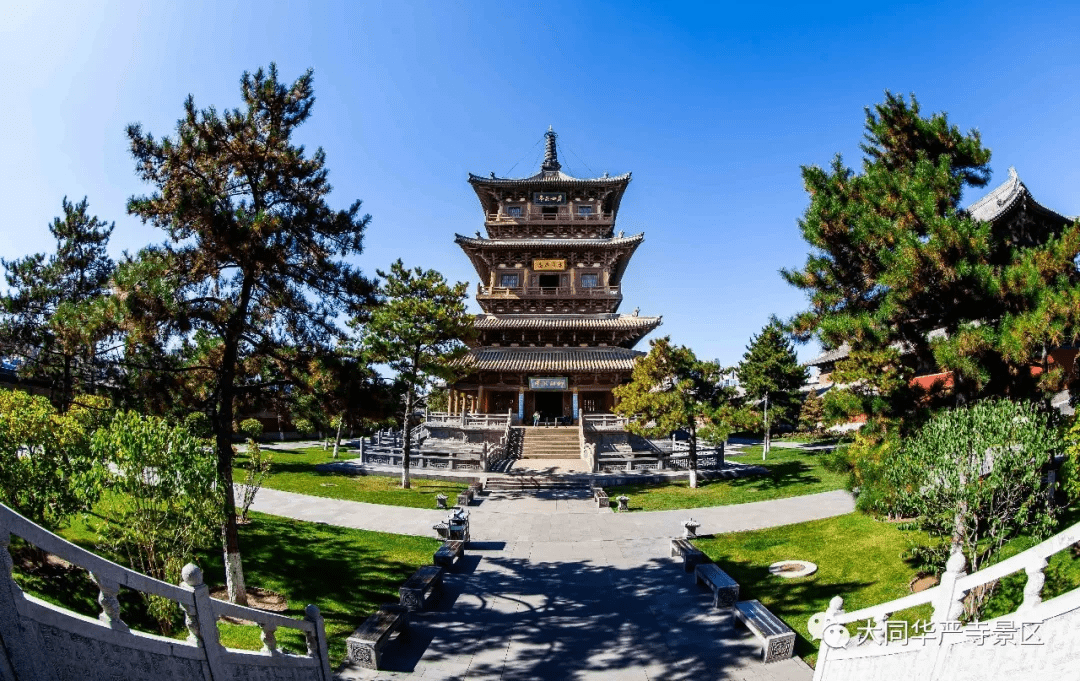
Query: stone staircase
point(523, 483)
point(551, 443)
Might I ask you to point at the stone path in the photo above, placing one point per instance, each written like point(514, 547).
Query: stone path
point(555, 515)
point(553, 588)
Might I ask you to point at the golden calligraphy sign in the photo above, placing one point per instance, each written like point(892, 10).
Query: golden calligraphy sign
point(549, 265)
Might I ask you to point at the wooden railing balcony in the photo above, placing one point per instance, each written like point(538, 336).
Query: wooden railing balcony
point(549, 291)
point(561, 216)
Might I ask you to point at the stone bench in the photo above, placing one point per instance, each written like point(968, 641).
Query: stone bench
point(415, 591)
point(725, 589)
point(448, 552)
point(365, 645)
point(777, 638)
point(601, 497)
point(691, 555)
point(465, 498)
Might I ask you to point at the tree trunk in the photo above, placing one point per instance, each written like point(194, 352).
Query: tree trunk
point(223, 431)
point(767, 441)
point(693, 454)
point(337, 438)
point(406, 440)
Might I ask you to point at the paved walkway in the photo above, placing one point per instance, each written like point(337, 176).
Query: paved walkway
point(555, 515)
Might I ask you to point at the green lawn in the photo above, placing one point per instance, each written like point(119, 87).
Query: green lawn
point(860, 559)
point(791, 473)
point(294, 471)
point(347, 573)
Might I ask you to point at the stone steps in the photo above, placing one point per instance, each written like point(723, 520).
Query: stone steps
point(513, 483)
point(550, 443)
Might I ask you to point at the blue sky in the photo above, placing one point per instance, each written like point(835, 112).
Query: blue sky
point(713, 107)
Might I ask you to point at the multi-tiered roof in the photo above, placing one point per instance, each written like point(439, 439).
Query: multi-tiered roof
point(551, 272)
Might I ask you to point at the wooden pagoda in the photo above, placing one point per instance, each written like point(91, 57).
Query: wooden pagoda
point(550, 339)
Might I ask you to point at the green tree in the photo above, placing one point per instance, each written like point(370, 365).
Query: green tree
point(46, 467)
point(670, 389)
point(171, 504)
point(812, 413)
point(771, 376)
point(253, 271)
point(418, 330)
point(973, 476)
point(908, 279)
point(44, 316)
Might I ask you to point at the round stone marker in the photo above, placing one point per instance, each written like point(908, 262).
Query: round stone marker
point(790, 569)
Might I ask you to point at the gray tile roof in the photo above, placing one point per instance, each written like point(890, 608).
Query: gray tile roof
point(595, 322)
point(555, 242)
point(550, 359)
point(1002, 198)
point(830, 356)
point(549, 178)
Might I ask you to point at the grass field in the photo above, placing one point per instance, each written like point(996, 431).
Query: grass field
point(347, 573)
point(294, 471)
point(792, 473)
point(860, 559)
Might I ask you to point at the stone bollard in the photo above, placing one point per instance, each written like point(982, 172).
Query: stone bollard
point(624, 503)
point(690, 528)
point(440, 500)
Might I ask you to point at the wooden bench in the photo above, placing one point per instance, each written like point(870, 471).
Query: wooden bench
point(365, 645)
point(416, 590)
point(725, 589)
point(448, 552)
point(691, 556)
point(777, 638)
point(601, 498)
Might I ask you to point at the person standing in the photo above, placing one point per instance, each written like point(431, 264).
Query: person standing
point(536, 418)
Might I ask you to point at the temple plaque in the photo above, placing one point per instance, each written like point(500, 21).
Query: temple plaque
point(548, 383)
point(549, 198)
point(549, 265)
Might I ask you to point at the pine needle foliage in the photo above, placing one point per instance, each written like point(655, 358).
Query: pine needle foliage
point(911, 282)
point(254, 275)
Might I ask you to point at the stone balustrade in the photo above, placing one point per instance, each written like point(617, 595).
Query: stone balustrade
point(45, 641)
point(1039, 635)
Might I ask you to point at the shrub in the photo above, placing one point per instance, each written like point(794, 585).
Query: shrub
point(46, 468)
point(974, 475)
point(251, 428)
point(169, 502)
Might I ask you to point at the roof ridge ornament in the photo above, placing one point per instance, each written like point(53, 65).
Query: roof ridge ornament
point(551, 154)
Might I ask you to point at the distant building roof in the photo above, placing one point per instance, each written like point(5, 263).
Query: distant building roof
point(830, 356)
point(1004, 197)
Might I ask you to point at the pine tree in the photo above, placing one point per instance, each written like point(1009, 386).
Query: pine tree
point(771, 376)
point(894, 258)
point(418, 330)
point(670, 389)
point(812, 413)
point(46, 313)
point(253, 272)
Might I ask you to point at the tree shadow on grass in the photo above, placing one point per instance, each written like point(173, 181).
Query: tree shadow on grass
point(781, 475)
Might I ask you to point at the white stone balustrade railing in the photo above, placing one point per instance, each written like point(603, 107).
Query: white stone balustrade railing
point(466, 420)
point(603, 422)
point(886, 658)
point(44, 641)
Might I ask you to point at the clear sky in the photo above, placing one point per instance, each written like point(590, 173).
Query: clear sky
point(713, 107)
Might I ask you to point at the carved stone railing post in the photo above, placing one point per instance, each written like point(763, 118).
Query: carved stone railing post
point(205, 623)
point(269, 639)
point(316, 642)
point(110, 604)
point(949, 605)
point(1036, 577)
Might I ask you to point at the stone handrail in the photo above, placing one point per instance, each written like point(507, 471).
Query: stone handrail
point(42, 640)
point(466, 420)
point(595, 422)
point(947, 599)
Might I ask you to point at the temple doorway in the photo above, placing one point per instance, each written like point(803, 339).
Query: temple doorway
point(550, 405)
